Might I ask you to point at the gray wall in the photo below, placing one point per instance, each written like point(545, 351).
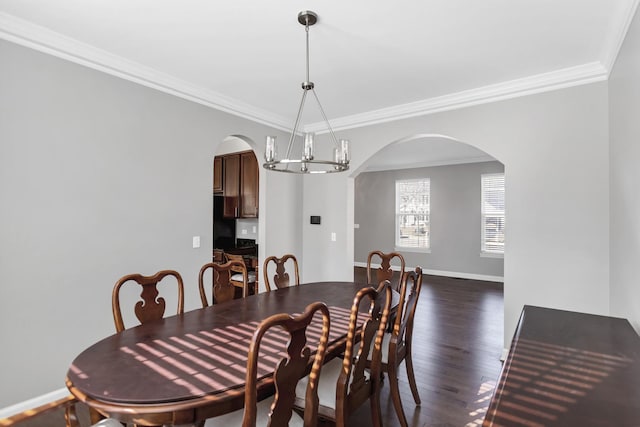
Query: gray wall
point(455, 218)
point(100, 177)
point(624, 110)
point(555, 149)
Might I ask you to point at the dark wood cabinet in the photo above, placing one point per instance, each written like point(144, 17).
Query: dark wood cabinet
point(248, 185)
point(240, 185)
point(217, 175)
point(231, 184)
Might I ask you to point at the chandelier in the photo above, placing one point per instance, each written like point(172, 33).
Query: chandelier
point(307, 163)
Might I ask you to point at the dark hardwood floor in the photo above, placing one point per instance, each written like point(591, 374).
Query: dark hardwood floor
point(457, 345)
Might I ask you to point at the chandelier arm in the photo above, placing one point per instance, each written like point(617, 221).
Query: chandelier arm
point(296, 124)
point(324, 116)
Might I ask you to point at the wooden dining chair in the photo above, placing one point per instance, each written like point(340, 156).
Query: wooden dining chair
point(243, 278)
point(222, 288)
point(71, 419)
point(384, 272)
point(345, 383)
point(291, 341)
point(152, 307)
point(277, 266)
point(396, 345)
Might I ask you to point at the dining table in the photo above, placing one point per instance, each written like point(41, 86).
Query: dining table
point(186, 368)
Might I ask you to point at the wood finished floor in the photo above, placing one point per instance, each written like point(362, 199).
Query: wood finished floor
point(457, 344)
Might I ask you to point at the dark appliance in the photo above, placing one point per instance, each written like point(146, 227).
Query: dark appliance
point(224, 229)
point(245, 247)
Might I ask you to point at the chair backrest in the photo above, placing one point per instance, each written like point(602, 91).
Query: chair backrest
point(384, 272)
point(222, 288)
point(248, 280)
point(236, 258)
point(281, 278)
point(402, 332)
point(354, 387)
point(289, 369)
point(151, 307)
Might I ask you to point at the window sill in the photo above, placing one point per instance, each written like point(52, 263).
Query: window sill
point(409, 249)
point(491, 255)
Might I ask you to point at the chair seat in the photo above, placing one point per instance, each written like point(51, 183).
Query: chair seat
point(251, 277)
point(234, 419)
point(107, 422)
point(326, 385)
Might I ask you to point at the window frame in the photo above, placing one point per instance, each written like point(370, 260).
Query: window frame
point(425, 222)
point(499, 214)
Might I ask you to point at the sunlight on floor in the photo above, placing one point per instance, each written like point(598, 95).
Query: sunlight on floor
point(485, 391)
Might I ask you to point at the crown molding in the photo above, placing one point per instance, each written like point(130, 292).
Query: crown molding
point(44, 40)
point(612, 49)
point(564, 78)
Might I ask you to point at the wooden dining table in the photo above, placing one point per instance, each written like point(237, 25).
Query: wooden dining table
point(186, 368)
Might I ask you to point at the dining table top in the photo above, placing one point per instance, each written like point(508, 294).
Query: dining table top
point(189, 367)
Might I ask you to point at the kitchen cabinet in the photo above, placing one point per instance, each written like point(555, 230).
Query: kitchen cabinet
point(248, 185)
point(231, 185)
point(240, 185)
point(217, 175)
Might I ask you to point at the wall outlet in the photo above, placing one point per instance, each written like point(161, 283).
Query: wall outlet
point(356, 225)
point(196, 242)
point(244, 231)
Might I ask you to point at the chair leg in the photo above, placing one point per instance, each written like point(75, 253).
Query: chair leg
point(70, 416)
point(412, 379)
point(376, 410)
point(395, 395)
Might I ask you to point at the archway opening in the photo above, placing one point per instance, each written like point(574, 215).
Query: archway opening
point(446, 225)
point(237, 192)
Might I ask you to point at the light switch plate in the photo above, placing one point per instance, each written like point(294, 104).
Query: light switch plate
point(196, 242)
point(333, 237)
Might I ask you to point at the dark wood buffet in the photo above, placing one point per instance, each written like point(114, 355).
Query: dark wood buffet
point(569, 369)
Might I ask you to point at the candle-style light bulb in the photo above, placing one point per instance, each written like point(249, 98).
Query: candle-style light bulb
point(344, 147)
point(270, 149)
point(308, 146)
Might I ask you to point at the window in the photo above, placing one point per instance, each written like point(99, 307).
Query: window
point(492, 212)
point(412, 213)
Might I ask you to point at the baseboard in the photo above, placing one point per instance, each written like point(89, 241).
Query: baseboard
point(455, 274)
point(33, 403)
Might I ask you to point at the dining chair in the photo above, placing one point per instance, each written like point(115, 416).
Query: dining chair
point(277, 266)
point(222, 288)
point(384, 272)
point(249, 284)
point(396, 345)
point(289, 339)
point(345, 384)
point(152, 307)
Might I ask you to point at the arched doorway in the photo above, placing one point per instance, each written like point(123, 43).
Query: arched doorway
point(238, 195)
point(454, 231)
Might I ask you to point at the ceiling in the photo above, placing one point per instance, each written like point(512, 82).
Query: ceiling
point(369, 62)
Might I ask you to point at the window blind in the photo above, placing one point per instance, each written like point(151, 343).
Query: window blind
point(492, 211)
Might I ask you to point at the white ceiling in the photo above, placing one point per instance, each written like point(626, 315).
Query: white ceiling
point(370, 61)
